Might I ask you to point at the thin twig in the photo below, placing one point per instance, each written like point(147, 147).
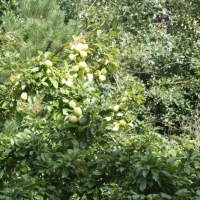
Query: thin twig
point(116, 82)
point(113, 138)
point(92, 5)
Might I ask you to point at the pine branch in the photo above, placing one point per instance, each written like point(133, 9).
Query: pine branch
point(42, 26)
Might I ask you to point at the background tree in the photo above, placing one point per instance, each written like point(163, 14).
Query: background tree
point(159, 44)
point(32, 27)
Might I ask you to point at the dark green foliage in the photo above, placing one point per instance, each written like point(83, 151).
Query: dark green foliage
point(128, 170)
point(145, 148)
point(70, 8)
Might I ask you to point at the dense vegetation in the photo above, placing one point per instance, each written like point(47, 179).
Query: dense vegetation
point(99, 99)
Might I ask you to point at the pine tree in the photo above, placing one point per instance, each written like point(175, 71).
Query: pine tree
point(39, 26)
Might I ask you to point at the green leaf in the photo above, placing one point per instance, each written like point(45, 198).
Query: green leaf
point(47, 55)
point(189, 170)
point(35, 69)
point(166, 196)
point(65, 100)
point(43, 157)
point(51, 187)
point(113, 34)
point(66, 65)
point(165, 173)
point(83, 144)
point(182, 191)
point(148, 150)
point(83, 120)
point(155, 176)
point(198, 192)
point(45, 84)
point(143, 185)
point(1, 173)
point(12, 141)
point(99, 32)
point(30, 194)
point(97, 173)
point(136, 196)
point(54, 82)
point(65, 174)
point(145, 172)
point(108, 189)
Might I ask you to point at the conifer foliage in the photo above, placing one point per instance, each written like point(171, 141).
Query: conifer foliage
point(32, 27)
